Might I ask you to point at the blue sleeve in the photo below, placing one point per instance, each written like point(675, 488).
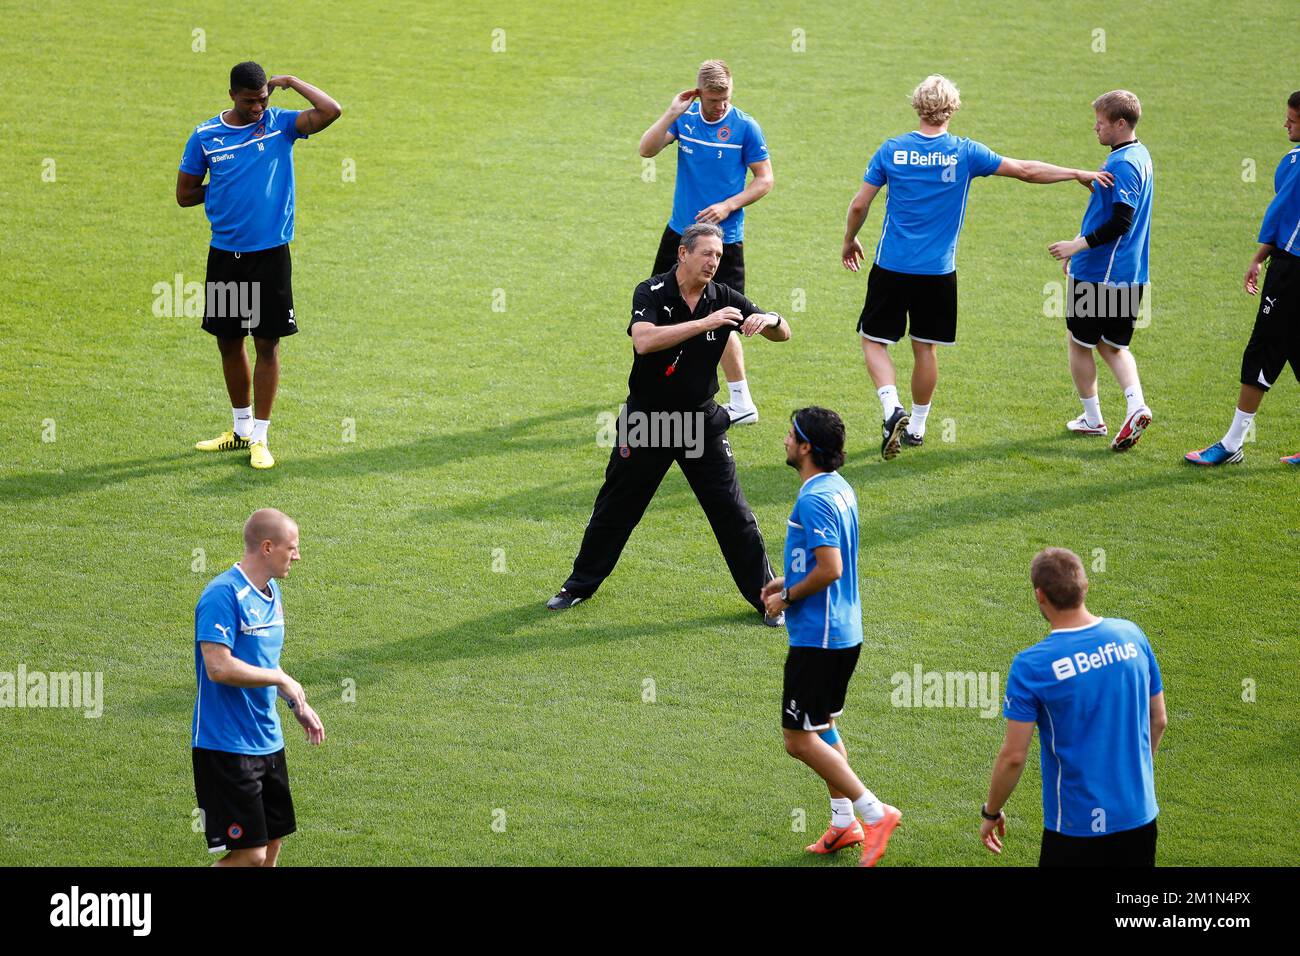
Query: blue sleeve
point(981, 160)
point(1269, 225)
point(875, 173)
point(216, 618)
point(287, 122)
point(755, 149)
point(821, 521)
point(675, 127)
point(1020, 702)
point(1128, 183)
point(192, 160)
point(1157, 684)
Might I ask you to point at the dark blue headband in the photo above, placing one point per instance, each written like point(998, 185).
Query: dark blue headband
point(794, 420)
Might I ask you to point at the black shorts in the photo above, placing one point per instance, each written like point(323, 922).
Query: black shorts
point(731, 270)
point(930, 302)
point(1275, 340)
point(1102, 313)
point(249, 293)
point(816, 683)
point(244, 800)
point(1132, 848)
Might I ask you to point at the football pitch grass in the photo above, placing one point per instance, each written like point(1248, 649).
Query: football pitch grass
point(440, 454)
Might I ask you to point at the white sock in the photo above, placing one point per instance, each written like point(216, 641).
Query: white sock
point(1134, 398)
point(869, 808)
point(740, 393)
point(1092, 410)
point(260, 426)
point(888, 399)
point(841, 811)
point(243, 421)
point(1236, 436)
point(916, 422)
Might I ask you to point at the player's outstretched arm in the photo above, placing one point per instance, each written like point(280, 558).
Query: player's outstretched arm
point(851, 254)
point(657, 136)
point(1032, 171)
point(190, 190)
point(325, 110)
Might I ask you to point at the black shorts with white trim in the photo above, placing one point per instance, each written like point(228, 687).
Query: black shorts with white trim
point(1101, 312)
point(895, 298)
point(815, 686)
point(1275, 339)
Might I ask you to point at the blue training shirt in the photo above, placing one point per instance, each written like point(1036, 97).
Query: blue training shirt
point(929, 178)
point(1089, 689)
point(250, 183)
point(1281, 224)
point(825, 515)
point(241, 720)
point(712, 161)
point(1123, 261)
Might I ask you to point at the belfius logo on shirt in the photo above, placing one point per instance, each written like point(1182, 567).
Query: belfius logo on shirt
point(913, 157)
point(1066, 667)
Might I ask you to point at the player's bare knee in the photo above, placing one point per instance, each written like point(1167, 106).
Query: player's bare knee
point(253, 856)
point(272, 853)
point(796, 743)
point(230, 347)
point(267, 348)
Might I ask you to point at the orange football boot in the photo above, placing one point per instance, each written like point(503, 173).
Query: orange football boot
point(873, 848)
point(837, 838)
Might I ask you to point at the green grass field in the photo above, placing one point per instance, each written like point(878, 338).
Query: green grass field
point(475, 429)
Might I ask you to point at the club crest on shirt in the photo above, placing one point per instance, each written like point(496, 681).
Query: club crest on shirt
point(724, 134)
point(261, 130)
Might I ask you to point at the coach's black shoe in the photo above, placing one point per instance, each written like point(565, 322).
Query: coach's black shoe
point(892, 433)
point(915, 441)
point(563, 601)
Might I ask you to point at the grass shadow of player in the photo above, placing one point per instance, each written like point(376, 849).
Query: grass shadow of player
point(231, 472)
point(427, 452)
point(55, 483)
point(483, 638)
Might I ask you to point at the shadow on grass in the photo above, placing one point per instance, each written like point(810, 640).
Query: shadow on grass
point(231, 472)
point(484, 638)
point(773, 484)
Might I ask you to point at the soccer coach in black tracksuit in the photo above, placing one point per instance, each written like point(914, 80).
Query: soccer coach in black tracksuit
point(679, 326)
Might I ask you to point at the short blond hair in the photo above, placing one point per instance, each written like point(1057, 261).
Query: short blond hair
point(1119, 105)
point(714, 75)
point(935, 99)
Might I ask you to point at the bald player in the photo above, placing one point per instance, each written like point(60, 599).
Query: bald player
point(240, 777)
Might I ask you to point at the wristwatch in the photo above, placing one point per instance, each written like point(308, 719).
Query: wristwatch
point(984, 812)
point(785, 596)
point(778, 320)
